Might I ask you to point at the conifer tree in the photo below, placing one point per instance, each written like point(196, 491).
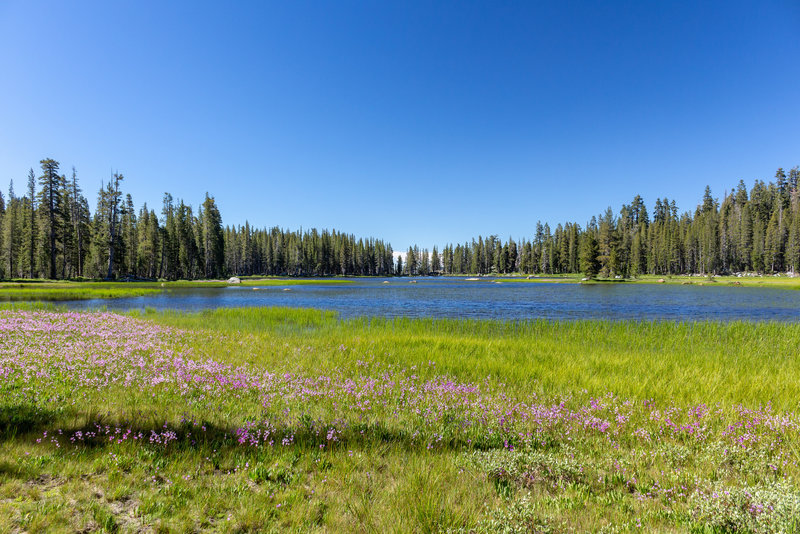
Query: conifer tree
point(112, 196)
point(12, 234)
point(436, 264)
point(588, 255)
point(49, 202)
point(2, 235)
point(793, 244)
point(411, 262)
point(424, 266)
point(169, 247)
point(607, 244)
point(128, 237)
point(213, 238)
point(65, 238)
point(81, 221)
point(30, 231)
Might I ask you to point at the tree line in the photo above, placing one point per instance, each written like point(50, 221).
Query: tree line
point(50, 232)
point(749, 231)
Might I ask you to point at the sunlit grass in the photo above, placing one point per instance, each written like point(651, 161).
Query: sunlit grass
point(67, 291)
point(30, 290)
point(754, 280)
point(562, 426)
point(733, 362)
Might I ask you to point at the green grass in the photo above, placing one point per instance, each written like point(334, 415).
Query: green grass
point(781, 282)
point(731, 363)
point(541, 278)
point(778, 282)
point(71, 291)
point(379, 478)
point(47, 290)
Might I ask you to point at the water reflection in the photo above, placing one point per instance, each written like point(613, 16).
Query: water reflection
point(458, 297)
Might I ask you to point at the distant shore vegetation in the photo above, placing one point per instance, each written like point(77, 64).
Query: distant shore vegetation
point(50, 232)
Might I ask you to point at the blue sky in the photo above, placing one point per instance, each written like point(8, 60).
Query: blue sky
point(416, 122)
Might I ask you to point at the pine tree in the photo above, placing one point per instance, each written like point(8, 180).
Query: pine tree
point(793, 244)
point(774, 243)
point(706, 234)
point(783, 188)
point(80, 221)
point(12, 234)
point(2, 235)
point(607, 244)
point(148, 254)
point(475, 255)
point(169, 246)
point(589, 264)
point(794, 177)
point(757, 250)
point(49, 202)
point(436, 265)
point(30, 232)
point(410, 263)
point(213, 239)
point(187, 245)
point(424, 264)
point(128, 237)
point(113, 196)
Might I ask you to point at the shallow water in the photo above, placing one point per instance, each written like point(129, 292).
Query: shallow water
point(483, 299)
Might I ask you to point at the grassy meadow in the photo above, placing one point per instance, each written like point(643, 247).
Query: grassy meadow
point(778, 282)
point(38, 290)
point(272, 419)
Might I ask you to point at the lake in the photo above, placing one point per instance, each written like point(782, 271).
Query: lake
point(484, 299)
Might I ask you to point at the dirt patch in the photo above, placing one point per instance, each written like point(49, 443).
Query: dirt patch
point(124, 511)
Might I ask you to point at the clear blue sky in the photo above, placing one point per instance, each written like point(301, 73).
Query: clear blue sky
point(417, 122)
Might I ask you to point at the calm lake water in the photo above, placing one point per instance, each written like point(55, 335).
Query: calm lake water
point(483, 299)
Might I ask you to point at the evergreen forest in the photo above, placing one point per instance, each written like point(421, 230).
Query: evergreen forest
point(49, 231)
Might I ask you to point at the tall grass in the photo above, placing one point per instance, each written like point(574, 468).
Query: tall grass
point(46, 290)
point(731, 363)
point(777, 282)
point(277, 419)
